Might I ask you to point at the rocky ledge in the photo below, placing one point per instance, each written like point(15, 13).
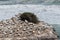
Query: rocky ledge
point(15, 29)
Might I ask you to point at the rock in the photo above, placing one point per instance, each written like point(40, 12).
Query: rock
point(15, 29)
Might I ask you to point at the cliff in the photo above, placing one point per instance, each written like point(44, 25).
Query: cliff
point(15, 29)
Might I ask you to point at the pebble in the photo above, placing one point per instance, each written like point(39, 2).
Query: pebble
point(23, 29)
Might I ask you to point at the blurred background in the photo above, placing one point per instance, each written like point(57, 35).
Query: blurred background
point(48, 2)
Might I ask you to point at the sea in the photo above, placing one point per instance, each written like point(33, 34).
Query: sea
point(45, 10)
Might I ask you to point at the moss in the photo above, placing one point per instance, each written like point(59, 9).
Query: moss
point(30, 17)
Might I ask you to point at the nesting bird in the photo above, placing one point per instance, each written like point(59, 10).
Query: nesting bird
point(30, 17)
